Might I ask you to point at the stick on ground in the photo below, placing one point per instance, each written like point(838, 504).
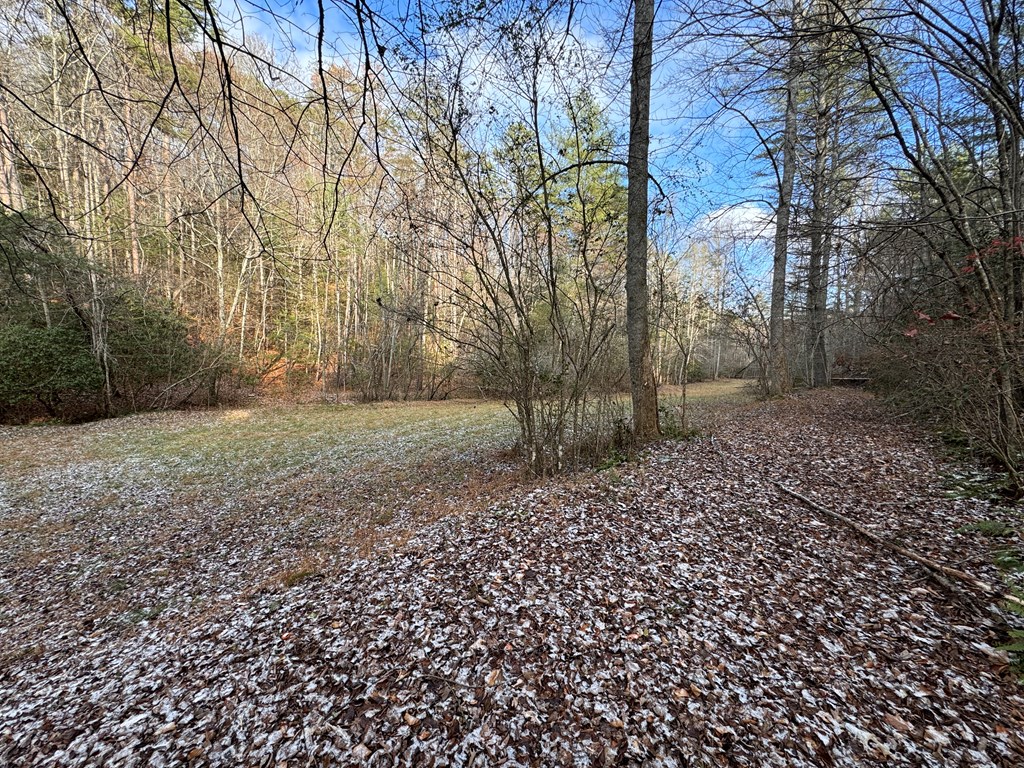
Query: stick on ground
point(928, 563)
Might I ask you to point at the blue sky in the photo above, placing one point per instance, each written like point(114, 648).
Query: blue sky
point(712, 182)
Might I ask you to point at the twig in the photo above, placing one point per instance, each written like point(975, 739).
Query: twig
point(936, 570)
point(449, 681)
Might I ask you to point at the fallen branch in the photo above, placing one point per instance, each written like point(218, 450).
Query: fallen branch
point(932, 565)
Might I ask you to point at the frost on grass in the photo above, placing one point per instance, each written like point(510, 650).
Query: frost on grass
point(680, 611)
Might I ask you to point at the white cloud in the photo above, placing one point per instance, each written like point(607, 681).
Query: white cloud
point(287, 33)
point(745, 221)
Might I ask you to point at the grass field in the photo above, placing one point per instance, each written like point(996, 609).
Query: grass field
point(366, 457)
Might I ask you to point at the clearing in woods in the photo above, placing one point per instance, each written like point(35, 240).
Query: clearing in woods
point(376, 585)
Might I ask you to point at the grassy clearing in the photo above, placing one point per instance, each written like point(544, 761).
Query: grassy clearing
point(166, 517)
point(222, 452)
point(270, 451)
point(157, 518)
point(292, 436)
point(362, 457)
point(281, 438)
point(709, 395)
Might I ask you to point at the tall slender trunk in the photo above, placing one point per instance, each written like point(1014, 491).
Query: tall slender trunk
point(11, 195)
point(820, 243)
point(131, 195)
point(218, 235)
point(778, 367)
point(641, 370)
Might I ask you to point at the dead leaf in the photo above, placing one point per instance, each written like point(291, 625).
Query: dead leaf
point(898, 723)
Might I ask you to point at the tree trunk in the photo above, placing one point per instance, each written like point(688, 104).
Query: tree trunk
point(778, 369)
point(820, 244)
point(10, 185)
point(641, 371)
point(134, 246)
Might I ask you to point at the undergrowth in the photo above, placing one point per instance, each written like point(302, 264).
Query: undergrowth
point(1006, 531)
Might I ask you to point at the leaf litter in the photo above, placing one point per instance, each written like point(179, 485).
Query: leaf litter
point(676, 611)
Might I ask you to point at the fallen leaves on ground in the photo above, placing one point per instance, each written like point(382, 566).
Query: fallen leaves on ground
point(676, 611)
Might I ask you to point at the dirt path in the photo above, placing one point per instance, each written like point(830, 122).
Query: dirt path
point(678, 611)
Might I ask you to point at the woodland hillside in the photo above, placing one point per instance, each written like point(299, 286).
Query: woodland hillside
point(511, 382)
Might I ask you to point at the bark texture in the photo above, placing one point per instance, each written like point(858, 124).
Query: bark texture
point(641, 370)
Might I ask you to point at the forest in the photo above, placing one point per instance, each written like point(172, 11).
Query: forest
point(511, 382)
point(200, 201)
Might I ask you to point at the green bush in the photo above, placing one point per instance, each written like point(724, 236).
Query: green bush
point(45, 364)
point(149, 347)
point(71, 330)
point(695, 372)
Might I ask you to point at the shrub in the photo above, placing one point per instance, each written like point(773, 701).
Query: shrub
point(45, 364)
point(151, 351)
point(943, 368)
